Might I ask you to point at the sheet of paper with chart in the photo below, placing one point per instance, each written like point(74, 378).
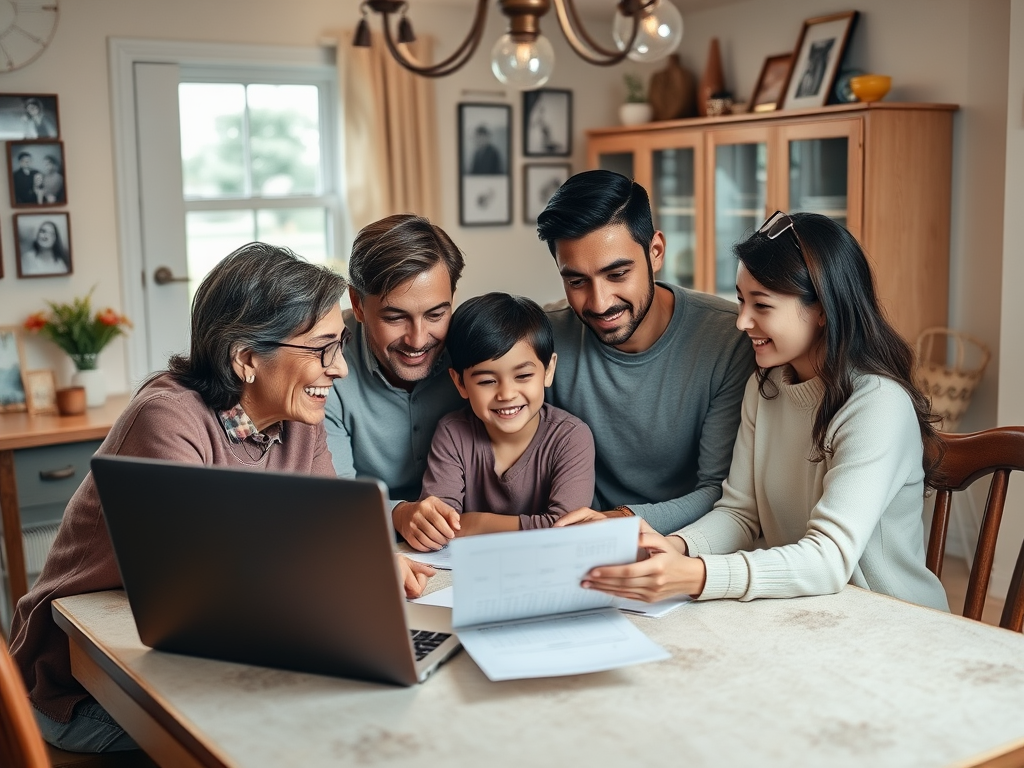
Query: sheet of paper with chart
point(520, 611)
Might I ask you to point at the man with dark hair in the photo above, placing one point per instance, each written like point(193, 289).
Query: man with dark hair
point(655, 370)
point(380, 418)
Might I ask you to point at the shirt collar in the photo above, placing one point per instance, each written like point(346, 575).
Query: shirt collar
point(239, 427)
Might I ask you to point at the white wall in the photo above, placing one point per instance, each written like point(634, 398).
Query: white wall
point(1011, 373)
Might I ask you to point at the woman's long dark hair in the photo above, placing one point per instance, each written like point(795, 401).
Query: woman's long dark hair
point(818, 261)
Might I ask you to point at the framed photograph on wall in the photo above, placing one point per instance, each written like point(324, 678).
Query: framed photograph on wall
point(40, 391)
point(12, 363)
point(485, 152)
point(36, 173)
point(540, 181)
point(28, 116)
point(547, 123)
point(768, 91)
point(44, 244)
point(818, 54)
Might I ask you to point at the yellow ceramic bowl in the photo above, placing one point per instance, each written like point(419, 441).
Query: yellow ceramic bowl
point(870, 87)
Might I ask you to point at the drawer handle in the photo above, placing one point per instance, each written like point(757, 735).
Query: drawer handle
point(58, 474)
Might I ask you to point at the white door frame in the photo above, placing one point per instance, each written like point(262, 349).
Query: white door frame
point(123, 53)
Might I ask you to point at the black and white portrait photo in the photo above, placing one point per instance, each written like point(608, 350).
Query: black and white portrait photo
point(540, 182)
point(44, 244)
point(28, 116)
point(37, 173)
point(547, 123)
point(12, 389)
point(485, 181)
point(818, 56)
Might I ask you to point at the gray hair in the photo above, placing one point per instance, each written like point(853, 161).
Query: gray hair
point(397, 248)
point(256, 297)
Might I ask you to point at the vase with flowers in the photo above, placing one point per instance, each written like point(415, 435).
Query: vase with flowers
point(82, 334)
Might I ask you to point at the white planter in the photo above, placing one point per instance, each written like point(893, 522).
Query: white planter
point(95, 386)
point(635, 114)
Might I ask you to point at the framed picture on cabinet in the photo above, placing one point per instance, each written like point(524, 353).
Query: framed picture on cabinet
point(40, 391)
point(28, 116)
point(44, 244)
point(816, 59)
point(547, 123)
point(12, 363)
point(36, 173)
point(485, 179)
point(540, 181)
point(771, 81)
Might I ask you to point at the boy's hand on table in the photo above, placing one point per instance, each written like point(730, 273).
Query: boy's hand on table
point(427, 525)
point(587, 515)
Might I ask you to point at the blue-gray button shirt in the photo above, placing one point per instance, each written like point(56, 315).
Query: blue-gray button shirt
point(377, 430)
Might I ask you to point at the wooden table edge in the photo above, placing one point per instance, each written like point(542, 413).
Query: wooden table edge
point(132, 703)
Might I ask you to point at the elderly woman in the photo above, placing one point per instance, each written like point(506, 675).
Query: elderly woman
point(267, 336)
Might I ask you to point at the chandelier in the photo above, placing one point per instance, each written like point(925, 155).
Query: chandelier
point(643, 30)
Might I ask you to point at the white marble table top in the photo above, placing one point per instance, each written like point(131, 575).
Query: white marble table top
point(853, 679)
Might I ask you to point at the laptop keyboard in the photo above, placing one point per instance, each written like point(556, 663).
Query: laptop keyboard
point(424, 641)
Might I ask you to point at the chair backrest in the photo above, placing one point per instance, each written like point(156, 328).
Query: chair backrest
point(21, 744)
point(967, 458)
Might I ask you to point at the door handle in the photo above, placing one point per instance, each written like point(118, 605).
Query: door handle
point(57, 474)
point(163, 276)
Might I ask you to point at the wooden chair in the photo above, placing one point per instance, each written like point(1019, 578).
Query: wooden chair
point(969, 457)
point(22, 746)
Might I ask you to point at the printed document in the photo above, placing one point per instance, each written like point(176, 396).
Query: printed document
point(520, 611)
point(440, 559)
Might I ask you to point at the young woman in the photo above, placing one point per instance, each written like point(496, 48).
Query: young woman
point(46, 255)
point(830, 464)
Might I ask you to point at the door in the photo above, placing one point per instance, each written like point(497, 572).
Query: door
point(227, 156)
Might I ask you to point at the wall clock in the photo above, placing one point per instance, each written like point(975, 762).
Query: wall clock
point(26, 28)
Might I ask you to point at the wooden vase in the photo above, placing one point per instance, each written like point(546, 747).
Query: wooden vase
point(672, 93)
point(712, 81)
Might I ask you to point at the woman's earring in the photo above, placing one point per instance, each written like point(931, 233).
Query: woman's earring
point(250, 378)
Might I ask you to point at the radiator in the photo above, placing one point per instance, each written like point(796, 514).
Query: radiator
point(36, 541)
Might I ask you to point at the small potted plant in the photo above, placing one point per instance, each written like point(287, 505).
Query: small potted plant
point(83, 335)
point(636, 110)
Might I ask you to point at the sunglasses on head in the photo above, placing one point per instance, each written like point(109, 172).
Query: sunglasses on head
point(776, 224)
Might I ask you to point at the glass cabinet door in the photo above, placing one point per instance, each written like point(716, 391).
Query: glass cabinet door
point(823, 173)
point(740, 182)
point(675, 213)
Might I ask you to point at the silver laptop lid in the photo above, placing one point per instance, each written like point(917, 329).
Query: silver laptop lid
point(264, 568)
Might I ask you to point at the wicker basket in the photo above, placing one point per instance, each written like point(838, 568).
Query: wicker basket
point(949, 386)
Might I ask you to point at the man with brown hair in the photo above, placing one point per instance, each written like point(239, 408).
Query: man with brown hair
point(380, 418)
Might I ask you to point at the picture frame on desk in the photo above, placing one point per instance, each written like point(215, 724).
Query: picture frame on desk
point(816, 60)
point(36, 174)
point(12, 363)
point(485, 154)
point(43, 242)
point(40, 391)
point(29, 116)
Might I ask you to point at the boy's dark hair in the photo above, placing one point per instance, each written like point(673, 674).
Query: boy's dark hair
point(487, 327)
point(595, 199)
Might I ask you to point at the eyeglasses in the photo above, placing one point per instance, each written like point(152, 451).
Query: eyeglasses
point(776, 224)
point(328, 352)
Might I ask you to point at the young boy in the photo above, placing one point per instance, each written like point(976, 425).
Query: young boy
point(508, 461)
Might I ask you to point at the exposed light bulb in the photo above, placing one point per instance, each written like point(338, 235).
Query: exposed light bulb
point(660, 32)
point(522, 65)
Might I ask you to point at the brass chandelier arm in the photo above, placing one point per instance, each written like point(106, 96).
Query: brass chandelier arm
point(587, 47)
point(453, 62)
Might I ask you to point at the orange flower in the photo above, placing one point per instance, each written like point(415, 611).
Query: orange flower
point(108, 317)
point(36, 321)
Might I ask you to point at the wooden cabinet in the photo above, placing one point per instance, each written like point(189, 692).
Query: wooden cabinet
point(882, 170)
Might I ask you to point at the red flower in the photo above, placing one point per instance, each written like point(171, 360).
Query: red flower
point(36, 321)
point(108, 317)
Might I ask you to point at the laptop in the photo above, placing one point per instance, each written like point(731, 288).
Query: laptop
point(277, 570)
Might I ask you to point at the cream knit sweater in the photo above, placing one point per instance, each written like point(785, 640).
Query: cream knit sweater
point(854, 517)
